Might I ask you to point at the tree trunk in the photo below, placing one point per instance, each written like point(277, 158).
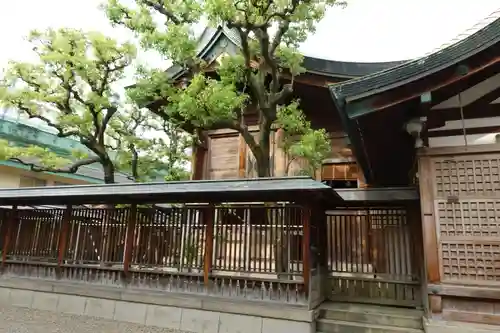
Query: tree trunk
point(263, 160)
point(109, 172)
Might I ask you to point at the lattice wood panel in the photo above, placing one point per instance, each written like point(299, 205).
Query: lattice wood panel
point(467, 175)
point(469, 235)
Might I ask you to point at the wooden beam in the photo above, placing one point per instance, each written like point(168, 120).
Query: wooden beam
point(453, 89)
point(129, 239)
point(438, 117)
point(208, 220)
point(11, 222)
point(460, 132)
point(63, 236)
point(484, 100)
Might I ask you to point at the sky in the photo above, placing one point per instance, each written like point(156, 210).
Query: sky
point(365, 31)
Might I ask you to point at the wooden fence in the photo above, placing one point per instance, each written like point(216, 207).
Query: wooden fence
point(374, 256)
point(250, 251)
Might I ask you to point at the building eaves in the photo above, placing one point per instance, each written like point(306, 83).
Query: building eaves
point(477, 39)
point(332, 68)
point(207, 191)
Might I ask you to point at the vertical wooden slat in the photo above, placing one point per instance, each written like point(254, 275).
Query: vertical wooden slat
point(129, 238)
point(306, 248)
point(63, 236)
point(8, 233)
point(208, 221)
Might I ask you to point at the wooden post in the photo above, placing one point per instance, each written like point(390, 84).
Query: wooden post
point(242, 157)
point(306, 246)
point(429, 233)
point(198, 160)
point(208, 221)
point(8, 233)
point(129, 239)
point(63, 236)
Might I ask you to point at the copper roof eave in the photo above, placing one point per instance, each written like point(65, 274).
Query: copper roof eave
point(299, 189)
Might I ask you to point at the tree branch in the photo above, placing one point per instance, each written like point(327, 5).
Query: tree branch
point(162, 10)
point(70, 169)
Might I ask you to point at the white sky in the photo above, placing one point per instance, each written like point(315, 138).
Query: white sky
point(367, 30)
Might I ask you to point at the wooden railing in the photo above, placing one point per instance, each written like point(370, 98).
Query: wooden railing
point(247, 251)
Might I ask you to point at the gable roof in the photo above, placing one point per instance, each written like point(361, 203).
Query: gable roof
point(213, 38)
point(482, 36)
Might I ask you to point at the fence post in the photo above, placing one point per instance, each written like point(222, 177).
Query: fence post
point(208, 220)
point(8, 233)
point(306, 246)
point(129, 239)
point(63, 236)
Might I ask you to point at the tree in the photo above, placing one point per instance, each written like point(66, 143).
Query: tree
point(260, 77)
point(70, 89)
point(149, 157)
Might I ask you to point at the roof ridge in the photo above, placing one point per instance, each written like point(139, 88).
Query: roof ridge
point(467, 32)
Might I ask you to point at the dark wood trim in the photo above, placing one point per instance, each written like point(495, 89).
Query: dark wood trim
point(63, 236)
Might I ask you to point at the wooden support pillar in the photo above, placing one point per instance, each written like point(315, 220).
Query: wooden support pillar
point(280, 159)
point(306, 246)
point(429, 233)
point(242, 157)
point(208, 221)
point(63, 236)
point(198, 160)
point(11, 223)
point(129, 239)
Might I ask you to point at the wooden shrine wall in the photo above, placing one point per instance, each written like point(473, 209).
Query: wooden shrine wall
point(460, 199)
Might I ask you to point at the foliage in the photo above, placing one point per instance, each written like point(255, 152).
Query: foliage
point(149, 158)
point(260, 77)
point(71, 88)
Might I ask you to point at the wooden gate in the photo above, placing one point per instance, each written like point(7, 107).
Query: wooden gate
point(373, 257)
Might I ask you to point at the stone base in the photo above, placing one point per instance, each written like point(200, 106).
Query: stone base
point(441, 326)
point(209, 316)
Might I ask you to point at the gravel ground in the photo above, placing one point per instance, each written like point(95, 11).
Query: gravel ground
point(22, 320)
